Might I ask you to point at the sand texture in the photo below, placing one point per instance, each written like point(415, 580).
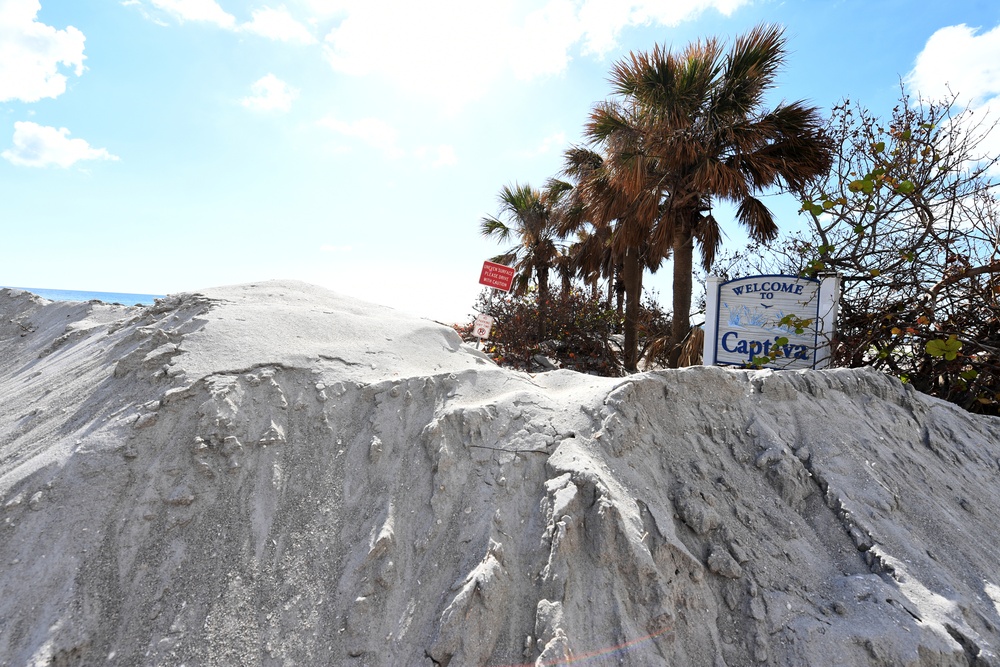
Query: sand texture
point(272, 474)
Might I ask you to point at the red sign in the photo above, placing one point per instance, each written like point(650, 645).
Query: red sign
point(497, 276)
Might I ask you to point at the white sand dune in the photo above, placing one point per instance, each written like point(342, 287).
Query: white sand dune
point(272, 474)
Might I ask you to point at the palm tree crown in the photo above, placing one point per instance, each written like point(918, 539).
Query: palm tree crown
point(530, 217)
point(526, 216)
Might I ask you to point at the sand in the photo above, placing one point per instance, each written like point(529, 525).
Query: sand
point(272, 474)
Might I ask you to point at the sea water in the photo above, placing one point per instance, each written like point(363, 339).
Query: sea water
point(123, 298)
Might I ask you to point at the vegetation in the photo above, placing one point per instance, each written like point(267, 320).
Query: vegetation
point(528, 218)
point(582, 331)
point(690, 127)
point(683, 128)
point(903, 209)
point(908, 218)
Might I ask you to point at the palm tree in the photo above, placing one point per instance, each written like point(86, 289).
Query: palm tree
point(526, 215)
point(690, 127)
point(623, 223)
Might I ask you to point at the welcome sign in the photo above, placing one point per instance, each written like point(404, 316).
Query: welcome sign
point(781, 318)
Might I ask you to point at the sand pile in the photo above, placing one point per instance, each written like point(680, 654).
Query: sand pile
point(272, 474)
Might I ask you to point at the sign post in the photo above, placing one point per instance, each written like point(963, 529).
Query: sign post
point(499, 277)
point(787, 319)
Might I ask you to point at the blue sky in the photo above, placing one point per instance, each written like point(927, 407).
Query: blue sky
point(158, 146)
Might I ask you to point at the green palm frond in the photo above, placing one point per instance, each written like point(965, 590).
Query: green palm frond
point(490, 226)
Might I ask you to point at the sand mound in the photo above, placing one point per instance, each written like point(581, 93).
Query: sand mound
point(275, 475)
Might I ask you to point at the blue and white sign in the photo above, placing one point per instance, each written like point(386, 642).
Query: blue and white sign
point(748, 319)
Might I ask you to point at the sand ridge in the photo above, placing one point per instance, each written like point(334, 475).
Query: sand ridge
point(272, 474)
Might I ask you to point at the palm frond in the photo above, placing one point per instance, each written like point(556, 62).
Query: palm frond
point(490, 226)
point(758, 220)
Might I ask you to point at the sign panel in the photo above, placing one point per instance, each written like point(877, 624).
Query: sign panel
point(749, 321)
point(497, 276)
point(483, 326)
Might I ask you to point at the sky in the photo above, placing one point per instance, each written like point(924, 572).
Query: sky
point(162, 146)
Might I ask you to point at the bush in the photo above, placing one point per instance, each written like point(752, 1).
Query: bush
point(581, 332)
point(909, 219)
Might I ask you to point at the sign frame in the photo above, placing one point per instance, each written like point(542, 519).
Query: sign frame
point(810, 350)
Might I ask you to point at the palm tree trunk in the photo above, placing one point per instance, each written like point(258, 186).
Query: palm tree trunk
point(632, 277)
point(543, 300)
point(683, 253)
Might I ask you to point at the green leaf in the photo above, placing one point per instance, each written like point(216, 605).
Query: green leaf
point(875, 273)
point(810, 207)
point(827, 205)
point(781, 341)
point(970, 374)
point(944, 348)
point(905, 188)
point(879, 147)
point(856, 186)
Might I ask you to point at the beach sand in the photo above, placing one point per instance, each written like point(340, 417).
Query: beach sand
point(272, 474)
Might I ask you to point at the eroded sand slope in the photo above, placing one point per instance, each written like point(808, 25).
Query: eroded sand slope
point(272, 474)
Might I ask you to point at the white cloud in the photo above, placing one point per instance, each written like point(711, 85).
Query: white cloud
point(279, 25)
point(370, 131)
point(453, 50)
point(959, 59)
point(269, 93)
point(41, 146)
point(554, 143)
point(601, 21)
point(327, 8)
point(31, 53)
point(437, 156)
point(208, 11)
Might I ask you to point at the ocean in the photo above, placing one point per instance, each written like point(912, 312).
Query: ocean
point(123, 298)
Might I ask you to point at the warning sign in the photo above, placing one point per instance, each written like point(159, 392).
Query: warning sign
point(483, 326)
point(497, 276)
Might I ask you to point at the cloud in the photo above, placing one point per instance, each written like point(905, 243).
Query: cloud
point(278, 24)
point(959, 59)
point(40, 146)
point(453, 50)
point(31, 53)
point(437, 156)
point(383, 137)
point(370, 131)
point(269, 93)
point(207, 11)
point(601, 21)
point(555, 143)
